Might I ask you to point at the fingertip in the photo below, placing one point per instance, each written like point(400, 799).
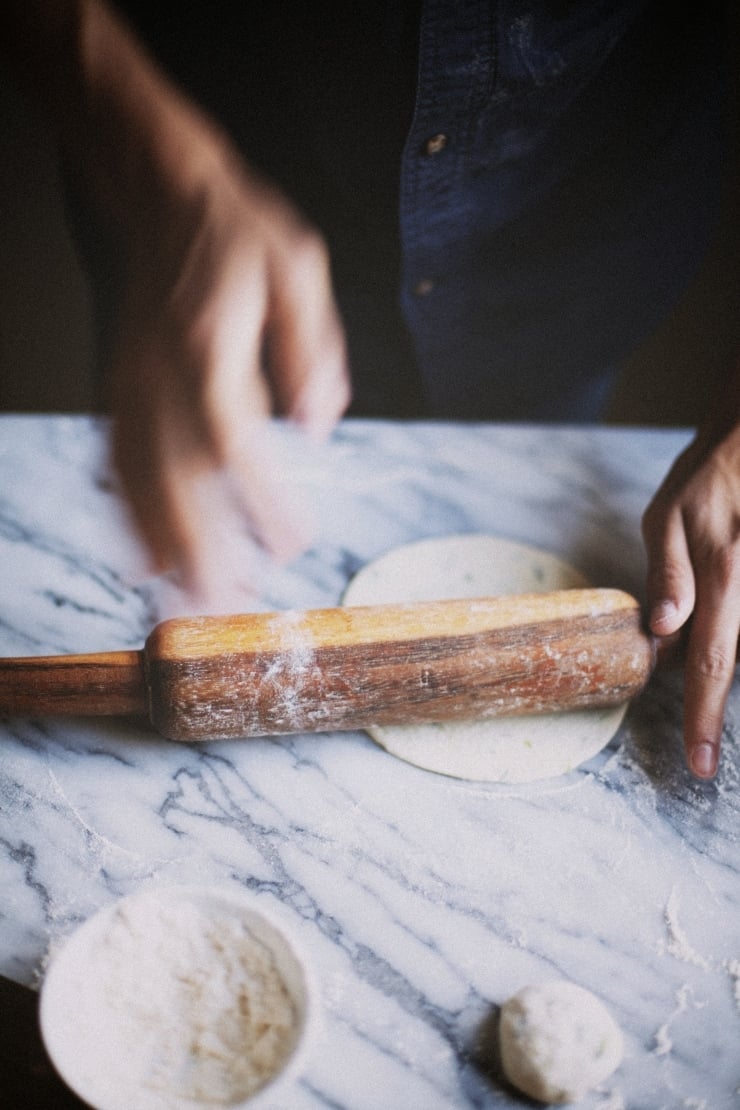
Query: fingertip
point(665, 617)
point(322, 402)
point(317, 428)
point(703, 759)
point(671, 586)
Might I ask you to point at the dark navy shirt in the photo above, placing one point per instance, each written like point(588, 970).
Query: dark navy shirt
point(514, 193)
point(566, 201)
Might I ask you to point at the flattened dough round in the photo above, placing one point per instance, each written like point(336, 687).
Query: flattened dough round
point(503, 749)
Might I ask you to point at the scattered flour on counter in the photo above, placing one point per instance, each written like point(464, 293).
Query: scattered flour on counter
point(684, 1002)
point(182, 1002)
point(663, 1042)
point(732, 967)
point(613, 1101)
point(678, 944)
point(102, 846)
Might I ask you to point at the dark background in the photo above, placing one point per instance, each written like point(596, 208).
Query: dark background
point(46, 346)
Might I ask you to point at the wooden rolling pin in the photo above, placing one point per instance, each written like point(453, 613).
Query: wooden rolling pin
point(328, 669)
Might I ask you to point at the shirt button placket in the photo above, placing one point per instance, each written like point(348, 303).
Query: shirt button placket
point(424, 287)
point(433, 146)
point(436, 144)
point(455, 67)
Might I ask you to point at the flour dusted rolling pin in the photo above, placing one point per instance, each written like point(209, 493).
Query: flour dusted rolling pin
point(327, 669)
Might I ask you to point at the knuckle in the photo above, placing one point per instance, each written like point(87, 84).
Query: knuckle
point(712, 663)
point(724, 566)
point(667, 571)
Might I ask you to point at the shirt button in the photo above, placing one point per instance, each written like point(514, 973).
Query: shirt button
point(436, 144)
point(424, 287)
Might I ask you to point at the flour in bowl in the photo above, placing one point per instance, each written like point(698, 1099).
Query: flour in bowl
point(178, 1005)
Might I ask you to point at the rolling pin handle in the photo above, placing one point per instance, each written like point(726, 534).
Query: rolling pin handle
point(100, 684)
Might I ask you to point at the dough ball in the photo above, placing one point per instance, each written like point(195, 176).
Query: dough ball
point(500, 749)
point(557, 1041)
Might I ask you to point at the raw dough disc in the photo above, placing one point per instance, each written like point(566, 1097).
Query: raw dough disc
point(504, 749)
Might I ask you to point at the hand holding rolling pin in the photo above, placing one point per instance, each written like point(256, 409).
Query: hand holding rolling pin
point(692, 535)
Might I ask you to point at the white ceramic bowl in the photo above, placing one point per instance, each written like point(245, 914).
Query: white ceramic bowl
point(79, 1034)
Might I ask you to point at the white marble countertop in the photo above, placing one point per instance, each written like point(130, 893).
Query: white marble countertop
point(423, 902)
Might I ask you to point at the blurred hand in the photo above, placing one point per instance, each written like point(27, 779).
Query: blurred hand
point(223, 313)
point(692, 535)
point(227, 318)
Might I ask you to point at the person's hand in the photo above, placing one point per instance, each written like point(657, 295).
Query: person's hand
point(221, 313)
point(227, 318)
point(692, 535)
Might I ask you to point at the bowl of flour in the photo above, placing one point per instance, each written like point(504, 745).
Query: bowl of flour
point(178, 998)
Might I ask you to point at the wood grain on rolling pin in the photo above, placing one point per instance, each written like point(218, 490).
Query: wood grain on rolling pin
point(334, 669)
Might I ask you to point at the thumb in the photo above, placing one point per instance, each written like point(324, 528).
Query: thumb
point(671, 587)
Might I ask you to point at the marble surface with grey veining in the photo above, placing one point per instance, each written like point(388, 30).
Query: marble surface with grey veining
point(422, 902)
